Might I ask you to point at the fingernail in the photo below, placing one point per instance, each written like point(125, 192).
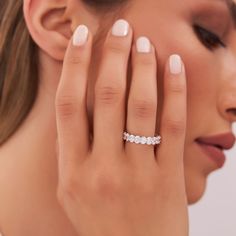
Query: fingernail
point(80, 35)
point(120, 28)
point(175, 64)
point(143, 45)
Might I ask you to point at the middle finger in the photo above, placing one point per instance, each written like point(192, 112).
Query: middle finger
point(110, 90)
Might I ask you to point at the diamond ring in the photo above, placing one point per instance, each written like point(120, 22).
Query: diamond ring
point(141, 139)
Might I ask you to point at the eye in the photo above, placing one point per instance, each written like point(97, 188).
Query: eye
point(209, 39)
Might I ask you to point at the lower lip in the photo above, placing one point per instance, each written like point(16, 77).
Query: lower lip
point(214, 153)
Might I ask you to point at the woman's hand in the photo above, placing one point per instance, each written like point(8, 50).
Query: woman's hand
point(109, 187)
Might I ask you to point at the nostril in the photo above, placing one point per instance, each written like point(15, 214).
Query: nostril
point(232, 111)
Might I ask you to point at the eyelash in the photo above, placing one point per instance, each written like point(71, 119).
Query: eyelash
point(209, 39)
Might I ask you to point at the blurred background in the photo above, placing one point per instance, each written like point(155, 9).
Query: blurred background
point(215, 213)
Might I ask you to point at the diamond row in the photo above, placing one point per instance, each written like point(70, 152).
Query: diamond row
point(142, 139)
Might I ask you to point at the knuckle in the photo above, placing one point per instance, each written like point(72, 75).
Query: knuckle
point(76, 60)
point(175, 126)
point(108, 94)
point(143, 108)
point(66, 106)
point(150, 189)
point(117, 47)
point(146, 183)
point(68, 187)
point(60, 196)
point(147, 189)
point(178, 88)
point(146, 60)
point(107, 185)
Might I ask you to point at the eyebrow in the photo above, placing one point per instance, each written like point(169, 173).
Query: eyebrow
point(231, 5)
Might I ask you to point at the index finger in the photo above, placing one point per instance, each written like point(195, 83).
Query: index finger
point(71, 113)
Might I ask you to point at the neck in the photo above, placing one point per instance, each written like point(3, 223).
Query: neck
point(49, 75)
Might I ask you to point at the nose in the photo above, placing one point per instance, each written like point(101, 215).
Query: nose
point(227, 101)
point(227, 89)
point(231, 114)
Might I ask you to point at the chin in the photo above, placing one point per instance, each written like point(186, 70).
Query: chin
point(195, 186)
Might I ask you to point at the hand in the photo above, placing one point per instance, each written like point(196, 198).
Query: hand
point(108, 187)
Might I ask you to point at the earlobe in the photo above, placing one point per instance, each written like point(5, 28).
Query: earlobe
point(47, 25)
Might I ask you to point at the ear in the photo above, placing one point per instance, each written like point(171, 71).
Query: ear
point(48, 26)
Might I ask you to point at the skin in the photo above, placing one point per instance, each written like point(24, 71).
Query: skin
point(95, 177)
point(28, 160)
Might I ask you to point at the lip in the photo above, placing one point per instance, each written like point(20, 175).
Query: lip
point(214, 153)
point(224, 141)
point(213, 146)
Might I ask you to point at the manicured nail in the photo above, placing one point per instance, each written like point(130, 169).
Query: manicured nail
point(175, 64)
point(120, 28)
point(80, 35)
point(143, 45)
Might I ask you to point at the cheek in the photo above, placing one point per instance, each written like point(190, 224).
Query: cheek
point(202, 67)
point(168, 39)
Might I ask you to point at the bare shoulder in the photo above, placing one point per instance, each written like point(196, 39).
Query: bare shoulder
point(5, 185)
point(28, 182)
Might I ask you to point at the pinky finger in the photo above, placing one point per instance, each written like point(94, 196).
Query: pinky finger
point(173, 121)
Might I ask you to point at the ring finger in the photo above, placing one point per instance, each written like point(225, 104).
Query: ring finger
point(142, 102)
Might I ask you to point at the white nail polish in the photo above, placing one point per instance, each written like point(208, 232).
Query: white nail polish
point(143, 45)
point(80, 35)
point(120, 28)
point(175, 64)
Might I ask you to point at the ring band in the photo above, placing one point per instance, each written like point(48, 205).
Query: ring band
point(141, 139)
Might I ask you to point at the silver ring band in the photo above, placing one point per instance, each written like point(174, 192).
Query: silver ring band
point(141, 139)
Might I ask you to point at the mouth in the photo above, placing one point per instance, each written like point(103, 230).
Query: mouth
point(214, 147)
point(214, 152)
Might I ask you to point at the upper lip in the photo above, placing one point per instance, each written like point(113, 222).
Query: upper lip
point(223, 141)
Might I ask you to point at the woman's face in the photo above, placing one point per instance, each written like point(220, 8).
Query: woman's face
point(209, 54)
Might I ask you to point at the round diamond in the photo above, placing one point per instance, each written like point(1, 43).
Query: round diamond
point(131, 138)
point(153, 141)
point(143, 140)
point(137, 139)
point(149, 140)
point(158, 141)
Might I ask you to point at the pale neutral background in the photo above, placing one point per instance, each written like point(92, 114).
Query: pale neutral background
point(215, 213)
